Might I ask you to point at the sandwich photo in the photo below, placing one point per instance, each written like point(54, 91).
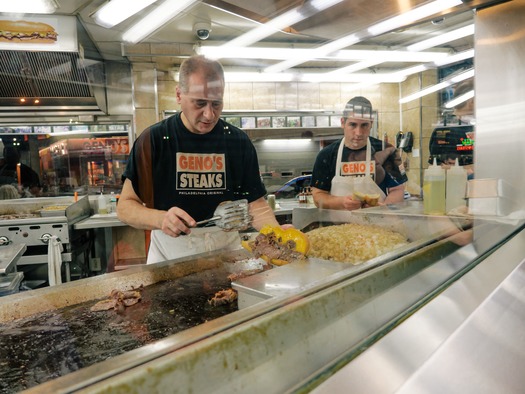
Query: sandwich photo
point(27, 32)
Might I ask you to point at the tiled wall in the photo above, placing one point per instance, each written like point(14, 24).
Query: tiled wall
point(154, 92)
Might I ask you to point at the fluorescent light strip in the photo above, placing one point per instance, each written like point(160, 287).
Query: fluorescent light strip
point(351, 78)
point(443, 38)
point(339, 76)
point(298, 143)
point(412, 16)
point(155, 19)
point(458, 57)
point(116, 11)
point(458, 78)
point(356, 67)
point(232, 76)
point(389, 56)
point(319, 52)
point(385, 58)
point(277, 24)
point(460, 99)
point(28, 6)
point(287, 19)
point(259, 77)
point(217, 52)
point(441, 62)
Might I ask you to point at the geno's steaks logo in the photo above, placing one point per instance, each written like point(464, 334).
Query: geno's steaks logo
point(200, 172)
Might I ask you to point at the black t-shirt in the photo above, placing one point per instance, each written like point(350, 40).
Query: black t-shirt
point(326, 161)
point(171, 166)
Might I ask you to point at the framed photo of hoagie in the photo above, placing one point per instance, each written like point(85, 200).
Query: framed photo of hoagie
point(43, 33)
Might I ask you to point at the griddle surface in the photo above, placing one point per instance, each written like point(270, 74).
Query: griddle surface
point(49, 345)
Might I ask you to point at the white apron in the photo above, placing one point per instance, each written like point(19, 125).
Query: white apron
point(346, 185)
point(206, 239)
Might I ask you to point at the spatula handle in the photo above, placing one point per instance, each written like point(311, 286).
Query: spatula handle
point(208, 220)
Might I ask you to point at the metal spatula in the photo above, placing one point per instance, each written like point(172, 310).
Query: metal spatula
point(230, 216)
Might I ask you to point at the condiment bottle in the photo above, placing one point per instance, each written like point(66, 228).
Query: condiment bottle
point(456, 187)
point(102, 204)
point(434, 190)
point(309, 196)
point(112, 203)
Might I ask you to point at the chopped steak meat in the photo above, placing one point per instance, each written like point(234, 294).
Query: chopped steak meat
point(223, 297)
point(119, 300)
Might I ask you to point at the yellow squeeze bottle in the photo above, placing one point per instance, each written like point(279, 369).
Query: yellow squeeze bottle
point(434, 190)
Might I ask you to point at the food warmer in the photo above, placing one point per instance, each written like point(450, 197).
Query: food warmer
point(174, 335)
point(33, 221)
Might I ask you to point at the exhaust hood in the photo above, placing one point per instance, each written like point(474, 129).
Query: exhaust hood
point(41, 83)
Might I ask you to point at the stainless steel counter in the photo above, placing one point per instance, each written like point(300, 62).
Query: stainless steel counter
point(468, 340)
point(9, 255)
point(284, 207)
point(99, 221)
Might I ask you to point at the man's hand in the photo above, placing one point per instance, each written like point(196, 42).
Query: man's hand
point(177, 221)
point(350, 203)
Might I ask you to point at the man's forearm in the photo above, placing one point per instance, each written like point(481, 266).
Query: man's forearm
point(137, 215)
point(262, 214)
point(395, 195)
point(325, 200)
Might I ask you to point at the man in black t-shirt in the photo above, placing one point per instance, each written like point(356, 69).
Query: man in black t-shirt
point(183, 167)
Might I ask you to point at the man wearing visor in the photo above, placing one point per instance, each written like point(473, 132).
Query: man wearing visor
point(357, 165)
point(183, 167)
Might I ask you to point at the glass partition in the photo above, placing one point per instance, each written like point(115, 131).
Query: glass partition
point(64, 159)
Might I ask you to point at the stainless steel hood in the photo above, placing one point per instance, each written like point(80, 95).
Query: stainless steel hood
point(34, 83)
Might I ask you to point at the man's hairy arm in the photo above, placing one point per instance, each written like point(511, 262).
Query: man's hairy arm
point(323, 199)
point(131, 210)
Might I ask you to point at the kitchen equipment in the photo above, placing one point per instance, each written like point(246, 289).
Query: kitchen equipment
point(33, 221)
point(492, 197)
point(420, 230)
point(10, 279)
point(230, 215)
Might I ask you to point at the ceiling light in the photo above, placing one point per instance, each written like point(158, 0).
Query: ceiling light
point(460, 99)
point(258, 77)
point(282, 53)
point(412, 16)
point(116, 11)
point(292, 143)
point(29, 6)
point(316, 53)
point(351, 39)
point(440, 86)
point(284, 20)
point(458, 57)
point(356, 66)
point(233, 76)
point(443, 38)
point(411, 70)
point(155, 19)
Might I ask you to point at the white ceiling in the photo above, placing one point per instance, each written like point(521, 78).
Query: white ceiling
point(232, 18)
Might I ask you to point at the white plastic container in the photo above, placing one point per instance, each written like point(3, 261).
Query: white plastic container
point(434, 190)
point(102, 204)
point(456, 188)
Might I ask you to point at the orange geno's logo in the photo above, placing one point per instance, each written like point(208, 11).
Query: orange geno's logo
point(200, 162)
point(196, 171)
point(357, 168)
